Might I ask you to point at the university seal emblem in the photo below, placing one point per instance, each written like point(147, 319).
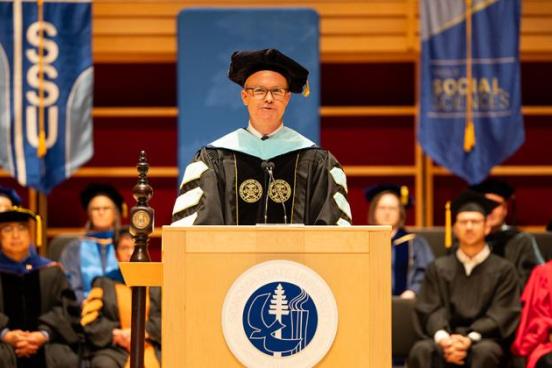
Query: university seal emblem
point(279, 191)
point(279, 314)
point(251, 190)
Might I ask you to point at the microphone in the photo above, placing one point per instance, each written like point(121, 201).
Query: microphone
point(268, 167)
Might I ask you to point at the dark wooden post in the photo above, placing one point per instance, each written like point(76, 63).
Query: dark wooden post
point(141, 226)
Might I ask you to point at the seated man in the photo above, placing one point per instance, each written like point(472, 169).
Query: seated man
point(107, 316)
point(35, 324)
point(468, 307)
point(516, 246)
point(267, 173)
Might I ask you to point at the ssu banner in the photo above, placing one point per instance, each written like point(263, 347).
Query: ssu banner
point(470, 108)
point(46, 81)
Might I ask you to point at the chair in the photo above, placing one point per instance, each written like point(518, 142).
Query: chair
point(58, 244)
point(402, 327)
point(435, 236)
point(544, 240)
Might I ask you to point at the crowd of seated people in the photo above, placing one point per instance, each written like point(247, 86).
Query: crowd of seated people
point(75, 313)
point(484, 303)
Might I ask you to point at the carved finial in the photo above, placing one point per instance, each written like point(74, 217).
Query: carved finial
point(142, 215)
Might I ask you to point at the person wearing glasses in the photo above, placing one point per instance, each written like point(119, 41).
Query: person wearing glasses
point(37, 307)
point(468, 307)
point(93, 255)
point(266, 172)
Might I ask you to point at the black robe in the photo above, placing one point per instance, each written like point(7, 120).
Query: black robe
point(99, 333)
point(39, 300)
point(517, 247)
point(486, 301)
point(233, 186)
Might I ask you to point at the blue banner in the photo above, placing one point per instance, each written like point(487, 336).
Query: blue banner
point(485, 45)
point(46, 80)
point(209, 103)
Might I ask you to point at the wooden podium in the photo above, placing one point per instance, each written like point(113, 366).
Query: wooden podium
point(200, 264)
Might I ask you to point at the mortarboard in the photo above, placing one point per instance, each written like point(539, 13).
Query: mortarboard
point(401, 191)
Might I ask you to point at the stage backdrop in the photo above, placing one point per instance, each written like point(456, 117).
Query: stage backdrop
point(209, 103)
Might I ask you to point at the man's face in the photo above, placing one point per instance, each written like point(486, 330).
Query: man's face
point(125, 248)
point(102, 213)
point(266, 113)
point(15, 239)
point(498, 216)
point(388, 210)
point(471, 228)
point(5, 203)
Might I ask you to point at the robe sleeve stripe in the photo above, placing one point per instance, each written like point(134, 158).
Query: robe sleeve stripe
point(343, 222)
point(186, 221)
point(193, 172)
point(187, 199)
point(342, 204)
point(338, 175)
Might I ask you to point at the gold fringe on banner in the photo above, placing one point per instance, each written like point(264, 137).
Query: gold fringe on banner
point(41, 150)
point(469, 132)
point(448, 226)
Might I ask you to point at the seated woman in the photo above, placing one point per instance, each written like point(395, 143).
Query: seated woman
point(94, 254)
point(107, 316)
point(534, 335)
point(35, 301)
point(410, 253)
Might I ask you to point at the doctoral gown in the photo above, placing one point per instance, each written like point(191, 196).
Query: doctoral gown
point(229, 183)
point(35, 296)
point(116, 313)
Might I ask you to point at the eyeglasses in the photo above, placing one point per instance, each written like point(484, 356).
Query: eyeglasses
point(473, 222)
point(10, 229)
point(259, 93)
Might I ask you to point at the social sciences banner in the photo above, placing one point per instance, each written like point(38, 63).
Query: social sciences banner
point(46, 80)
point(470, 102)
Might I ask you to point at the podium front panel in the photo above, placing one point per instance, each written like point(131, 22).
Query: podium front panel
point(201, 263)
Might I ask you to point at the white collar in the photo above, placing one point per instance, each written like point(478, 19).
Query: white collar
point(470, 263)
point(258, 134)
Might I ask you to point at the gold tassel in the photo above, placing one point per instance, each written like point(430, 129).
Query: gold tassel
point(41, 150)
point(448, 226)
point(306, 90)
point(469, 136)
point(124, 209)
point(404, 195)
point(38, 231)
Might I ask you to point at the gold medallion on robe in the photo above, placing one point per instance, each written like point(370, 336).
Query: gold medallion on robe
point(279, 191)
point(251, 190)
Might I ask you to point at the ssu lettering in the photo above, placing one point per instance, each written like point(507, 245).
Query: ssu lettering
point(50, 89)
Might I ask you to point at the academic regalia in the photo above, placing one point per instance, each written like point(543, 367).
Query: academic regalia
point(485, 302)
point(116, 313)
point(85, 259)
point(228, 181)
point(518, 247)
point(533, 335)
point(35, 296)
point(410, 256)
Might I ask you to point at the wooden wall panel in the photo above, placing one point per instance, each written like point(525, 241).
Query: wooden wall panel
point(351, 30)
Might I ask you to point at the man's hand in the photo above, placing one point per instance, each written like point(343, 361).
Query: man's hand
point(455, 349)
point(30, 343)
point(408, 294)
point(122, 338)
point(13, 337)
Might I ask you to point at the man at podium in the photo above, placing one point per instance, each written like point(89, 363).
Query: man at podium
point(267, 172)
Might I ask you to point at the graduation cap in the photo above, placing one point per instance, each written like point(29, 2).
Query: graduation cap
point(467, 201)
point(18, 214)
point(11, 194)
point(494, 186)
point(245, 63)
point(95, 189)
point(472, 201)
point(401, 191)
